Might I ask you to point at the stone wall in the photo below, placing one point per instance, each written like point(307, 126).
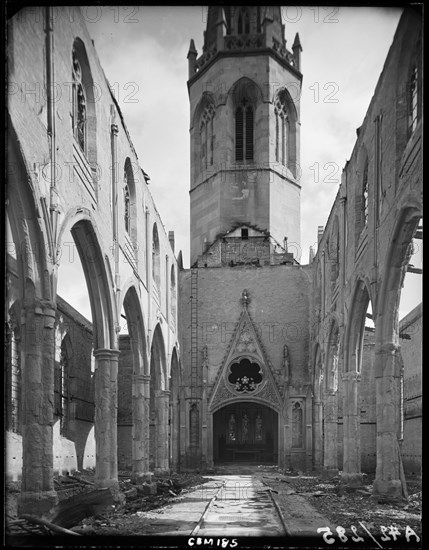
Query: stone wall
point(362, 258)
point(278, 307)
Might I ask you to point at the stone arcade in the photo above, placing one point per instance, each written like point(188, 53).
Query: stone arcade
point(247, 356)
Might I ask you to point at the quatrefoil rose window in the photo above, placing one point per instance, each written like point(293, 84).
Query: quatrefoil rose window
point(245, 376)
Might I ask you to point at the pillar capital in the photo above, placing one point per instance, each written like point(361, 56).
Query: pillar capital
point(163, 393)
point(145, 378)
point(106, 353)
point(40, 305)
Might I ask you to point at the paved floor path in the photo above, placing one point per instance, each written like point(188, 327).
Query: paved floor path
point(236, 505)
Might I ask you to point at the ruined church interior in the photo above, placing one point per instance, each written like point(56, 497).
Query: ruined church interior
point(248, 355)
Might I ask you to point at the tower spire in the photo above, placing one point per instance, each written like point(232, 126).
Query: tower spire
point(192, 57)
point(297, 49)
point(245, 28)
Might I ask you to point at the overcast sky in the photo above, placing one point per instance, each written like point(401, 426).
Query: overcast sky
point(143, 53)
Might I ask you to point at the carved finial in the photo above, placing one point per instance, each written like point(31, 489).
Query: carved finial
point(245, 298)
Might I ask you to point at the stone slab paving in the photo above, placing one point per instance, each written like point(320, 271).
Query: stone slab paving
point(242, 508)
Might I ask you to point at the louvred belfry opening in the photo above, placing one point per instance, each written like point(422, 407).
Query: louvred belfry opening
point(239, 134)
point(244, 122)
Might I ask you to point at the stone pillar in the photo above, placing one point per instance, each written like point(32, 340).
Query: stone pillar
point(330, 454)
point(174, 431)
point(387, 484)
point(351, 475)
point(140, 431)
point(317, 434)
point(38, 495)
point(105, 423)
point(162, 404)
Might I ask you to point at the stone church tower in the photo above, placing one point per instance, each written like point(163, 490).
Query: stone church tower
point(244, 307)
point(244, 95)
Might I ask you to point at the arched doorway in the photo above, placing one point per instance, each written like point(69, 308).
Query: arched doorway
point(245, 431)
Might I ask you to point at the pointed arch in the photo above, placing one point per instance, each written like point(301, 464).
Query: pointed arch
point(97, 281)
point(354, 335)
point(30, 238)
point(159, 404)
point(136, 328)
point(158, 365)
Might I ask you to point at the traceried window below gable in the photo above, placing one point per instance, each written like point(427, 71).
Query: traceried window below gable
point(245, 375)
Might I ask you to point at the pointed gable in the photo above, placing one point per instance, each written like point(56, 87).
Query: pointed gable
point(245, 372)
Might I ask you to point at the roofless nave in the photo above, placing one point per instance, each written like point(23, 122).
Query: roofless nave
point(246, 356)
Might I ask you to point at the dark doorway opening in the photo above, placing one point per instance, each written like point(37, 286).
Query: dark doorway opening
point(245, 432)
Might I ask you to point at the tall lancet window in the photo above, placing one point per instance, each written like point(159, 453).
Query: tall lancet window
point(79, 116)
point(244, 130)
point(207, 136)
point(282, 133)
